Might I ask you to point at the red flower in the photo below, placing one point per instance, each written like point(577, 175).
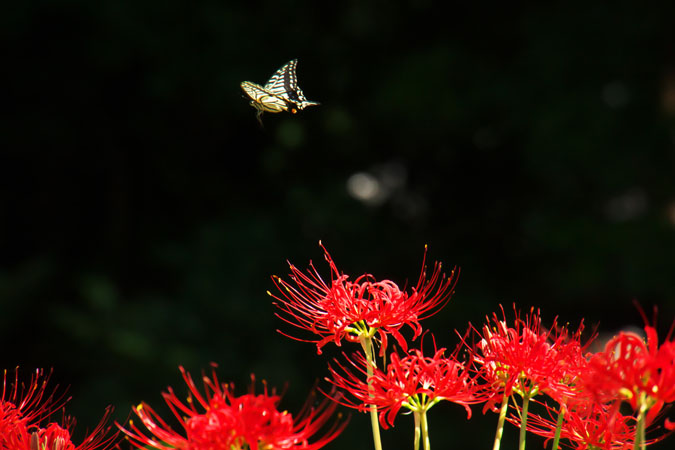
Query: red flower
point(219, 420)
point(349, 310)
point(632, 370)
point(26, 403)
point(415, 382)
point(57, 437)
point(23, 409)
point(528, 359)
point(587, 426)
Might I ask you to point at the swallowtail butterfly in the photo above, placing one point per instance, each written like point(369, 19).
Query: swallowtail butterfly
point(281, 93)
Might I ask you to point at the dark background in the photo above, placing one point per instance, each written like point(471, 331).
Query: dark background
point(143, 209)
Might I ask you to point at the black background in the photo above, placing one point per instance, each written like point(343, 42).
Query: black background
point(143, 209)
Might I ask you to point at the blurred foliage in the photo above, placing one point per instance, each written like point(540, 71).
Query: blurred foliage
point(143, 209)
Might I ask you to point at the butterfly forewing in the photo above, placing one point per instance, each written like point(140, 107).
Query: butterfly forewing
point(284, 83)
point(283, 80)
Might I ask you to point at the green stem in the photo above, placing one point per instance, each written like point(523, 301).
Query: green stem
point(416, 415)
point(523, 422)
point(500, 422)
point(367, 344)
point(558, 428)
point(425, 430)
point(640, 432)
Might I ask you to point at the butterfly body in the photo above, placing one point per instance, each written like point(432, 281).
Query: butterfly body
point(280, 93)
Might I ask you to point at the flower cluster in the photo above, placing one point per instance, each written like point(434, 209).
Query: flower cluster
point(542, 379)
point(639, 373)
point(586, 426)
point(219, 420)
point(576, 395)
point(527, 359)
point(586, 389)
point(414, 381)
point(367, 311)
point(25, 425)
point(352, 310)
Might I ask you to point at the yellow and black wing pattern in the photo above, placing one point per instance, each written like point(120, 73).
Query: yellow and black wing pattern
point(280, 93)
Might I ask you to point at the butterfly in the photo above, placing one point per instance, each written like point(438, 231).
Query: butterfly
point(280, 93)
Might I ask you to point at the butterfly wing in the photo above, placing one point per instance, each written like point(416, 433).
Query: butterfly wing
point(284, 80)
point(262, 99)
point(284, 83)
point(301, 100)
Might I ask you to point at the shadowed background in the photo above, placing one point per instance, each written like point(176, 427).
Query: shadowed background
point(143, 210)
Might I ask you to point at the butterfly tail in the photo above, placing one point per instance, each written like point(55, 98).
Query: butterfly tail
point(306, 103)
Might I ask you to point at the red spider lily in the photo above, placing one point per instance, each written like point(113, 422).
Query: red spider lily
point(528, 359)
point(349, 310)
point(23, 409)
point(637, 372)
point(587, 426)
point(228, 422)
point(28, 403)
point(57, 437)
point(415, 382)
